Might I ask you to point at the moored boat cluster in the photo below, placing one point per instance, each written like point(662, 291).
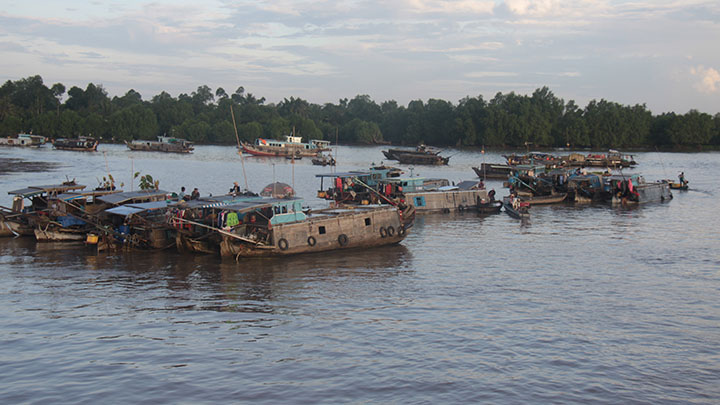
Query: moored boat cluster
point(235, 224)
point(367, 208)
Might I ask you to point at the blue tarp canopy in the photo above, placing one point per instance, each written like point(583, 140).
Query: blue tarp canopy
point(129, 209)
point(468, 185)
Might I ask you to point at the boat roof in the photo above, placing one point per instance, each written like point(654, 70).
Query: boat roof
point(346, 174)
point(92, 193)
point(217, 201)
point(529, 167)
point(35, 190)
point(468, 185)
point(244, 206)
point(119, 198)
point(130, 209)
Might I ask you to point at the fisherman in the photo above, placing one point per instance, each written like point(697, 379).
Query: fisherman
point(195, 194)
point(235, 189)
point(181, 195)
point(681, 177)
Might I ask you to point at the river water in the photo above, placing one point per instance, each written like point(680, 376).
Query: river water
point(580, 304)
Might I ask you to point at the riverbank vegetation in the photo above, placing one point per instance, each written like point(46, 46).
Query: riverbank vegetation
point(203, 116)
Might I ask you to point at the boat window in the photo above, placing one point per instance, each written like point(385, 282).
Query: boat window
point(321, 230)
point(367, 221)
point(284, 209)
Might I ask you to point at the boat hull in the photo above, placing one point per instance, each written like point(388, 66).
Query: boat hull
point(289, 150)
point(56, 235)
point(647, 193)
point(350, 230)
point(445, 201)
point(491, 207)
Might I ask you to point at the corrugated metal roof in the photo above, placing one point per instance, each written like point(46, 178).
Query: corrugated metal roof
point(119, 198)
point(34, 190)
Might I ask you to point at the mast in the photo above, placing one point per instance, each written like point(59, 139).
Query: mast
point(242, 159)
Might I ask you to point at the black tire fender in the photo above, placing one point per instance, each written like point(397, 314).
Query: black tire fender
point(383, 232)
point(311, 241)
point(343, 239)
point(283, 244)
point(390, 231)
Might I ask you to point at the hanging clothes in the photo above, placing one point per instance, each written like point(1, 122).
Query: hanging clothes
point(232, 219)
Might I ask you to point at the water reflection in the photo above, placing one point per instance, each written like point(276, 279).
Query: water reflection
point(205, 282)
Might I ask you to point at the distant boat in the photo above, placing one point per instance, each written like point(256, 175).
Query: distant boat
point(322, 160)
point(291, 146)
point(163, 144)
point(83, 143)
point(421, 155)
point(27, 140)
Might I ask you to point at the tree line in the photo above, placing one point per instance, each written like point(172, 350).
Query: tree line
point(203, 116)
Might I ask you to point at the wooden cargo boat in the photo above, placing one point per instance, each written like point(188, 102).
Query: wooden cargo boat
point(163, 144)
point(70, 216)
point(421, 155)
point(82, 144)
point(22, 219)
point(293, 232)
point(613, 159)
point(534, 158)
point(260, 227)
point(635, 190)
point(291, 146)
point(384, 185)
point(493, 171)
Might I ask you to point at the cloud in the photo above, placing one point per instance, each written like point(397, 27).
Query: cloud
point(709, 79)
point(490, 74)
point(451, 7)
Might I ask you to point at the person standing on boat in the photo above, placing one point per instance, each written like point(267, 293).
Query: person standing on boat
point(681, 177)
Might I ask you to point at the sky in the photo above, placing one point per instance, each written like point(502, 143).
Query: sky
point(661, 53)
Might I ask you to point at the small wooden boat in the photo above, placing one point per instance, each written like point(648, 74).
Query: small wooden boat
point(545, 199)
point(518, 210)
point(678, 186)
point(323, 161)
point(489, 207)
